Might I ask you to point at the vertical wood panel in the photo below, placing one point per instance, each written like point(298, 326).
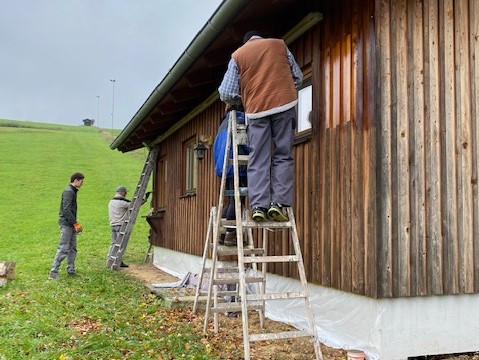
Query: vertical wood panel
point(448, 125)
point(384, 149)
point(357, 83)
point(416, 126)
point(464, 148)
point(474, 59)
point(433, 149)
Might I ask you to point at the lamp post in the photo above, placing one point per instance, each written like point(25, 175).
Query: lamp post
point(112, 103)
point(98, 111)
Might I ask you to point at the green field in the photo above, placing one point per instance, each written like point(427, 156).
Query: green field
point(101, 314)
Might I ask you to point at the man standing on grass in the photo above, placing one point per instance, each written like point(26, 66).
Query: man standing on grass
point(69, 227)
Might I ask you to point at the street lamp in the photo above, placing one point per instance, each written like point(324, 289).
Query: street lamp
point(98, 111)
point(112, 104)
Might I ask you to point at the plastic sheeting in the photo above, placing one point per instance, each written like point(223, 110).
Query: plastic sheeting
point(382, 328)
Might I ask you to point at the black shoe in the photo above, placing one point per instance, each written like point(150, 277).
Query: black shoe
point(230, 239)
point(260, 214)
point(123, 265)
point(73, 273)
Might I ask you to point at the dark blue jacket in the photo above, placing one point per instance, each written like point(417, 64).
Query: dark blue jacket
point(219, 147)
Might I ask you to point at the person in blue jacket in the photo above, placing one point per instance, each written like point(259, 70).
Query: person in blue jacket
point(219, 148)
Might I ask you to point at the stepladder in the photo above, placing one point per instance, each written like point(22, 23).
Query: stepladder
point(118, 247)
point(244, 278)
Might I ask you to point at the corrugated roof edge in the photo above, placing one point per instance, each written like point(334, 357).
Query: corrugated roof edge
point(217, 22)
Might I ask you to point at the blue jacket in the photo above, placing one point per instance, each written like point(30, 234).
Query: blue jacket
point(219, 147)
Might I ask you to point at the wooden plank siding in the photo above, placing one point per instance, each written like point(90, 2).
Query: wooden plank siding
point(346, 144)
point(386, 192)
point(427, 147)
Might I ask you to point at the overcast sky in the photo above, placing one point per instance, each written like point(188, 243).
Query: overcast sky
point(58, 57)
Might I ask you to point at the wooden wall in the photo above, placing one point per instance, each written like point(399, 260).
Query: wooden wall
point(386, 188)
point(344, 138)
point(428, 71)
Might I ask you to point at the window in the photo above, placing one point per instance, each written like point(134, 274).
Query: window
point(190, 176)
point(305, 106)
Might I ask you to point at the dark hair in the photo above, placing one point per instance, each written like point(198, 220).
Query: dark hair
point(250, 34)
point(76, 176)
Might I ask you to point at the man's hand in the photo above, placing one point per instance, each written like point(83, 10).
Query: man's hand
point(78, 228)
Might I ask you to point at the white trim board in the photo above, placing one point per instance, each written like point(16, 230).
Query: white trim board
point(383, 329)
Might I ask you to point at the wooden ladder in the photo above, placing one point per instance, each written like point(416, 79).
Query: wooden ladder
point(248, 256)
point(117, 249)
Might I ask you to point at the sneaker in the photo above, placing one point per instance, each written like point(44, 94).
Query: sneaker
point(277, 212)
point(260, 214)
point(54, 275)
point(123, 265)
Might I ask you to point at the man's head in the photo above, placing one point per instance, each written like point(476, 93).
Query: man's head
point(250, 34)
point(121, 190)
point(77, 179)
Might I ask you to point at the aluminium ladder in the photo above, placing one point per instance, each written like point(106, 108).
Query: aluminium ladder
point(117, 249)
point(248, 255)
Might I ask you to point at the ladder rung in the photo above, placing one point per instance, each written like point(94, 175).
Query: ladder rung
point(234, 279)
point(243, 191)
point(276, 296)
point(280, 335)
point(268, 224)
point(228, 250)
point(271, 259)
point(234, 306)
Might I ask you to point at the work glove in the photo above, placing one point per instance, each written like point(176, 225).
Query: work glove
point(78, 228)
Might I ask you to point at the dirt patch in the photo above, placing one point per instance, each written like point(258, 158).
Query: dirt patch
point(228, 344)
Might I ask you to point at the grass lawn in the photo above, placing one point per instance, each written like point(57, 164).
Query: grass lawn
point(101, 314)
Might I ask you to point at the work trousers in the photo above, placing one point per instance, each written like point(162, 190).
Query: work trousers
point(271, 161)
point(67, 248)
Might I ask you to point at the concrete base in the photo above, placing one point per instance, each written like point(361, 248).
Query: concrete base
point(383, 329)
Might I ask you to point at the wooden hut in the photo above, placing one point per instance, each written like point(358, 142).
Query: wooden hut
point(386, 165)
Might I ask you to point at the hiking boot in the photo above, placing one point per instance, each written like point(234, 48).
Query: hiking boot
point(230, 238)
point(260, 214)
point(54, 275)
point(277, 212)
point(123, 265)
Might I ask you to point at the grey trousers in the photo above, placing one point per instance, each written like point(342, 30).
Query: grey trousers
point(67, 248)
point(271, 161)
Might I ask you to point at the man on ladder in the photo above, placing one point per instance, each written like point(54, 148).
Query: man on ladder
point(264, 76)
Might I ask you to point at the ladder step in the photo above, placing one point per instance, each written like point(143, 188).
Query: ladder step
point(243, 191)
point(267, 224)
point(229, 250)
point(280, 335)
point(271, 259)
point(234, 279)
point(234, 306)
point(276, 296)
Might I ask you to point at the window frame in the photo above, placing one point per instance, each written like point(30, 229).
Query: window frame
point(190, 167)
point(306, 134)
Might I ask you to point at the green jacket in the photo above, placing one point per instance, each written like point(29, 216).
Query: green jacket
point(68, 206)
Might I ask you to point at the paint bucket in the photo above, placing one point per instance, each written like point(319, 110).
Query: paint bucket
point(355, 355)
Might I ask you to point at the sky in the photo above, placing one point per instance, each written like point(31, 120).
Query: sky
point(58, 57)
